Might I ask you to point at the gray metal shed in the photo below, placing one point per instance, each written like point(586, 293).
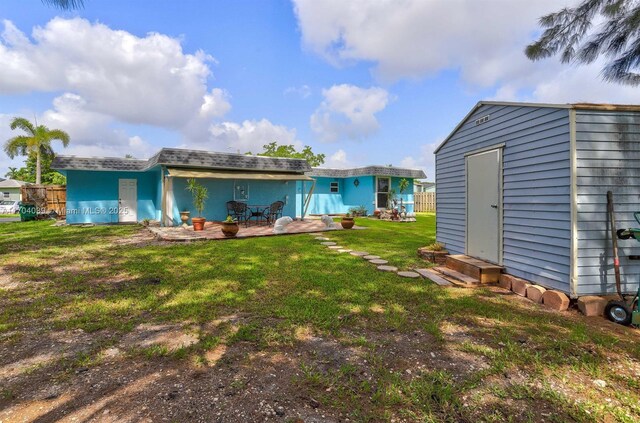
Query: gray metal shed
point(524, 185)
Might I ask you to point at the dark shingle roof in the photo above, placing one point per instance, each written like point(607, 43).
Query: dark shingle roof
point(98, 163)
point(368, 170)
point(183, 158)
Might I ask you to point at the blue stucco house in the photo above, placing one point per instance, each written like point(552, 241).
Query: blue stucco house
point(338, 190)
point(118, 190)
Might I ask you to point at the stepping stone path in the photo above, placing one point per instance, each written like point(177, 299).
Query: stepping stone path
point(409, 274)
point(381, 264)
point(387, 268)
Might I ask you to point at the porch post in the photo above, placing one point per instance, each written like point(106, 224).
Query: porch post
point(167, 201)
point(306, 205)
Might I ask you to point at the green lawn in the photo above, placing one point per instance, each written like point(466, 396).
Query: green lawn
point(395, 241)
point(420, 352)
point(8, 215)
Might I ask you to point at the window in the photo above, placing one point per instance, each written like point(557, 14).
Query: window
point(382, 192)
point(5, 195)
point(334, 187)
point(241, 191)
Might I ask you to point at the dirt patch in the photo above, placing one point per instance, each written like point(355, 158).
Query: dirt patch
point(6, 281)
point(141, 238)
point(171, 337)
point(240, 384)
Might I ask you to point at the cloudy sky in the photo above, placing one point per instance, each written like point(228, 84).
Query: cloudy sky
point(365, 82)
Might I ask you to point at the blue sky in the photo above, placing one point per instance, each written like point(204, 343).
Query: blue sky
point(363, 82)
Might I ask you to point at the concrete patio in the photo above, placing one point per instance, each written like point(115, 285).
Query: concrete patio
point(212, 231)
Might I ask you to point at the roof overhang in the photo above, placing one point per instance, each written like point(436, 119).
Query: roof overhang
point(209, 174)
point(575, 106)
point(399, 172)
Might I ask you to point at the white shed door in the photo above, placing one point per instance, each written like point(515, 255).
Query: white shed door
point(483, 205)
point(127, 200)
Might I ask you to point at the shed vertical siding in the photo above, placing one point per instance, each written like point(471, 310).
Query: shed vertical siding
point(536, 188)
point(608, 158)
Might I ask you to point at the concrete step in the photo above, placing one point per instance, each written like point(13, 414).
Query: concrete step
point(480, 270)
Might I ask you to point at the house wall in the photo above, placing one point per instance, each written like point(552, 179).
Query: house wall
point(323, 201)
point(608, 158)
point(14, 194)
point(536, 189)
point(92, 197)
point(261, 193)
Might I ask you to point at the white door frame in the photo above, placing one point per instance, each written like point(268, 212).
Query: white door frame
point(375, 191)
point(126, 217)
point(500, 149)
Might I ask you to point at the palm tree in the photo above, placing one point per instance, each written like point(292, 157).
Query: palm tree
point(38, 141)
point(591, 29)
point(65, 4)
point(12, 173)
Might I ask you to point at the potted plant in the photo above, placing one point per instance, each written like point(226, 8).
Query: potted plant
point(434, 253)
point(200, 195)
point(358, 211)
point(347, 221)
point(230, 227)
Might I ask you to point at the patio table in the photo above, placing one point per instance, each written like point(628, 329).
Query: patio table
point(256, 211)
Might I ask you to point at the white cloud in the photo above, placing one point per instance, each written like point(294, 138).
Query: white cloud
point(482, 40)
point(249, 135)
point(338, 160)
point(140, 80)
point(91, 133)
point(303, 91)
point(423, 159)
point(583, 84)
point(414, 38)
point(348, 111)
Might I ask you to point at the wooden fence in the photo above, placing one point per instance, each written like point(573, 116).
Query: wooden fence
point(424, 201)
point(47, 198)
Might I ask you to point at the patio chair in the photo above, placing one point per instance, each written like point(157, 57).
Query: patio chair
point(273, 212)
point(238, 211)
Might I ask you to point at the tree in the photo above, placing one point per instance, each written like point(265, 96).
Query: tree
point(65, 4)
point(570, 33)
point(37, 141)
point(274, 150)
point(12, 173)
point(403, 185)
point(27, 173)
